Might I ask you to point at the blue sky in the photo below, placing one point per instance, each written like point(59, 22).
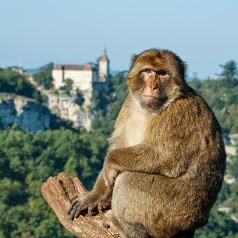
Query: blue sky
point(203, 33)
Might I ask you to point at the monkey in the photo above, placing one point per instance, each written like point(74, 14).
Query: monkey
point(166, 161)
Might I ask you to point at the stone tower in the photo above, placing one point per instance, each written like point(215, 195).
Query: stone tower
point(103, 70)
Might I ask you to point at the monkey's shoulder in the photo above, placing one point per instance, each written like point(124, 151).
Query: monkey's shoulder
point(190, 106)
point(189, 111)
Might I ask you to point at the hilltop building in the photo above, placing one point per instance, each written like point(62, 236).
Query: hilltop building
point(85, 77)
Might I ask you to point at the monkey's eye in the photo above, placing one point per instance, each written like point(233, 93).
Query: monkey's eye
point(161, 72)
point(147, 70)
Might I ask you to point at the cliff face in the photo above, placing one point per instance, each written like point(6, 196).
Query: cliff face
point(24, 112)
point(67, 108)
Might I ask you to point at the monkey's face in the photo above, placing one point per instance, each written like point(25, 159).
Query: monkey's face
point(156, 79)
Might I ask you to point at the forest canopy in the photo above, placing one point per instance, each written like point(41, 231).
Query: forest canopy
point(27, 159)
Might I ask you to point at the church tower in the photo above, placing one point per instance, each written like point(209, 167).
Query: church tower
point(103, 70)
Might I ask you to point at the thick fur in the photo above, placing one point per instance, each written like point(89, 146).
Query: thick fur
point(166, 161)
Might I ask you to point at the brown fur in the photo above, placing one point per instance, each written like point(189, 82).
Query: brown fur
point(166, 161)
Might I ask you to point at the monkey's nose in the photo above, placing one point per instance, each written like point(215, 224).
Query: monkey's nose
point(155, 86)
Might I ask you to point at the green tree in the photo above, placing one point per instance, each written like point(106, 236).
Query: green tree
point(43, 77)
point(27, 160)
point(233, 167)
point(68, 86)
point(79, 99)
point(106, 105)
point(13, 82)
point(229, 73)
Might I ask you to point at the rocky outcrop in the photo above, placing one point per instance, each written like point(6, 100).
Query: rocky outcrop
point(7, 113)
point(25, 112)
point(69, 107)
point(34, 117)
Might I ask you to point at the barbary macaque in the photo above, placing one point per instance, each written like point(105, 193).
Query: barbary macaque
point(166, 162)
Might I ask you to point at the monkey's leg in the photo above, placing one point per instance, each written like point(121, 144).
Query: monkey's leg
point(111, 222)
point(132, 230)
point(129, 207)
point(150, 205)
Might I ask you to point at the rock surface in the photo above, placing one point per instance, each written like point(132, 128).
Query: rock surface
point(25, 112)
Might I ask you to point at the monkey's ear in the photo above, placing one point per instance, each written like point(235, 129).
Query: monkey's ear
point(133, 59)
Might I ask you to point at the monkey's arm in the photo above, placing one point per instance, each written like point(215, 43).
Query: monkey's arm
point(142, 158)
point(97, 198)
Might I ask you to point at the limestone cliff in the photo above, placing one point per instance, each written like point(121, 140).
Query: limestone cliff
point(67, 107)
point(25, 112)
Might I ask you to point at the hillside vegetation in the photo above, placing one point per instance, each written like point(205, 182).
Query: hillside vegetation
point(13, 82)
point(28, 159)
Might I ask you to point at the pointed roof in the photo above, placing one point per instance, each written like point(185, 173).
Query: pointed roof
point(104, 56)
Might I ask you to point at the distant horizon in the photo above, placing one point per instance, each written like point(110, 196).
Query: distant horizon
point(203, 33)
point(113, 72)
point(35, 70)
point(189, 75)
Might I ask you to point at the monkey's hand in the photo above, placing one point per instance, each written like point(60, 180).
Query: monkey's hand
point(109, 172)
point(87, 202)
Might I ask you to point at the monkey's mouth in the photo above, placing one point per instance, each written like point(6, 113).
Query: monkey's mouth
point(153, 102)
point(151, 96)
point(150, 99)
point(160, 98)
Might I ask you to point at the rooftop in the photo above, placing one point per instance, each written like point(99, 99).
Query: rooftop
point(79, 67)
point(104, 56)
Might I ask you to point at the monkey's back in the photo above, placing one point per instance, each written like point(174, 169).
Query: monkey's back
point(193, 137)
point(187, 141)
